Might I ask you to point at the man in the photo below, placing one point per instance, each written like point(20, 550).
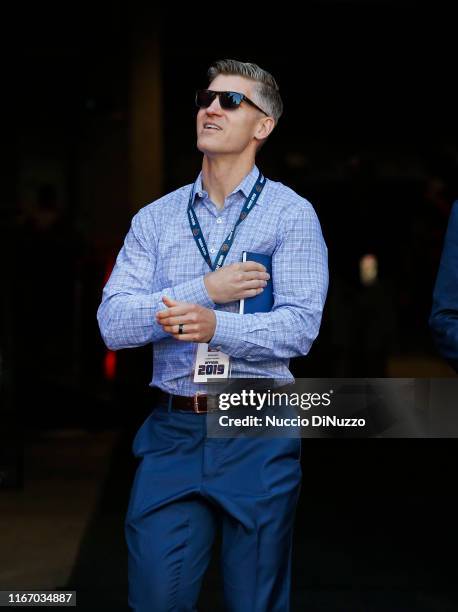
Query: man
point(168, 288)
point(444, 315)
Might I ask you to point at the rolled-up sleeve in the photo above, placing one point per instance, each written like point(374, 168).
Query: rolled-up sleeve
point(300, 284)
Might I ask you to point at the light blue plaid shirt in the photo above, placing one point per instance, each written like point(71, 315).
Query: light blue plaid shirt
point(160, 257)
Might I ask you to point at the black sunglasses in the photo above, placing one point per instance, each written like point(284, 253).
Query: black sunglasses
point(227, 99)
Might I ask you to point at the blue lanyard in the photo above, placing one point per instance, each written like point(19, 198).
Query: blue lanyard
point(225, 247)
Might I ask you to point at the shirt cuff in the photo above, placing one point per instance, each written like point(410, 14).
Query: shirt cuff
point(228, 330)
point(193, 291)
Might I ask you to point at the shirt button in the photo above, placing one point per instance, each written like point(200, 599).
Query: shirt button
point(200, 194)
point(219, 220)
point(212, 250)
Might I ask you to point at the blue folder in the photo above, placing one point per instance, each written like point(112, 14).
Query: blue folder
point(265, 300)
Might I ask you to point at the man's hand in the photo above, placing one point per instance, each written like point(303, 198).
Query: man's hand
point(199, 323)
point(237, 281)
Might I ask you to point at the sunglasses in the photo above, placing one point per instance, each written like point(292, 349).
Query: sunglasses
point(227, 99)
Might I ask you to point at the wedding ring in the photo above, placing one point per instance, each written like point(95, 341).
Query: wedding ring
point(180, 328)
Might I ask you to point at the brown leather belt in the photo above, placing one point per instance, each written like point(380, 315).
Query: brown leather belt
point(199, 403)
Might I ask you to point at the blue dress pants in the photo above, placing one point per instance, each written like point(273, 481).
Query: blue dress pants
point(184, 483)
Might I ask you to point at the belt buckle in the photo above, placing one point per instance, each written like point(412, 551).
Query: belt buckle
point(196, 402)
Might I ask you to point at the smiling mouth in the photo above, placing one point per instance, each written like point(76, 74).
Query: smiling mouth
point(209, 127)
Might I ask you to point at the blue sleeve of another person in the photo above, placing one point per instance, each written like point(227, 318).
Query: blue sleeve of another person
point(444, 316)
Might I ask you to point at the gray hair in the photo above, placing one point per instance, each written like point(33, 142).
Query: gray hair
point(267, 94)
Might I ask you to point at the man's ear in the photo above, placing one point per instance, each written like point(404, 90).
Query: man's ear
point(264, 128)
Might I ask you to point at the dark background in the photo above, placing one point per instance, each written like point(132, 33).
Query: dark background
point(369, 136)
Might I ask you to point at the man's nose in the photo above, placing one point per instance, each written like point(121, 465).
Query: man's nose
point(214, 107)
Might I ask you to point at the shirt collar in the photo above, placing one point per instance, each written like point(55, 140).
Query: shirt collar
point(245, 186)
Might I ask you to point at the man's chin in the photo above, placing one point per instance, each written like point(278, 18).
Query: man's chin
point(206, 149)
